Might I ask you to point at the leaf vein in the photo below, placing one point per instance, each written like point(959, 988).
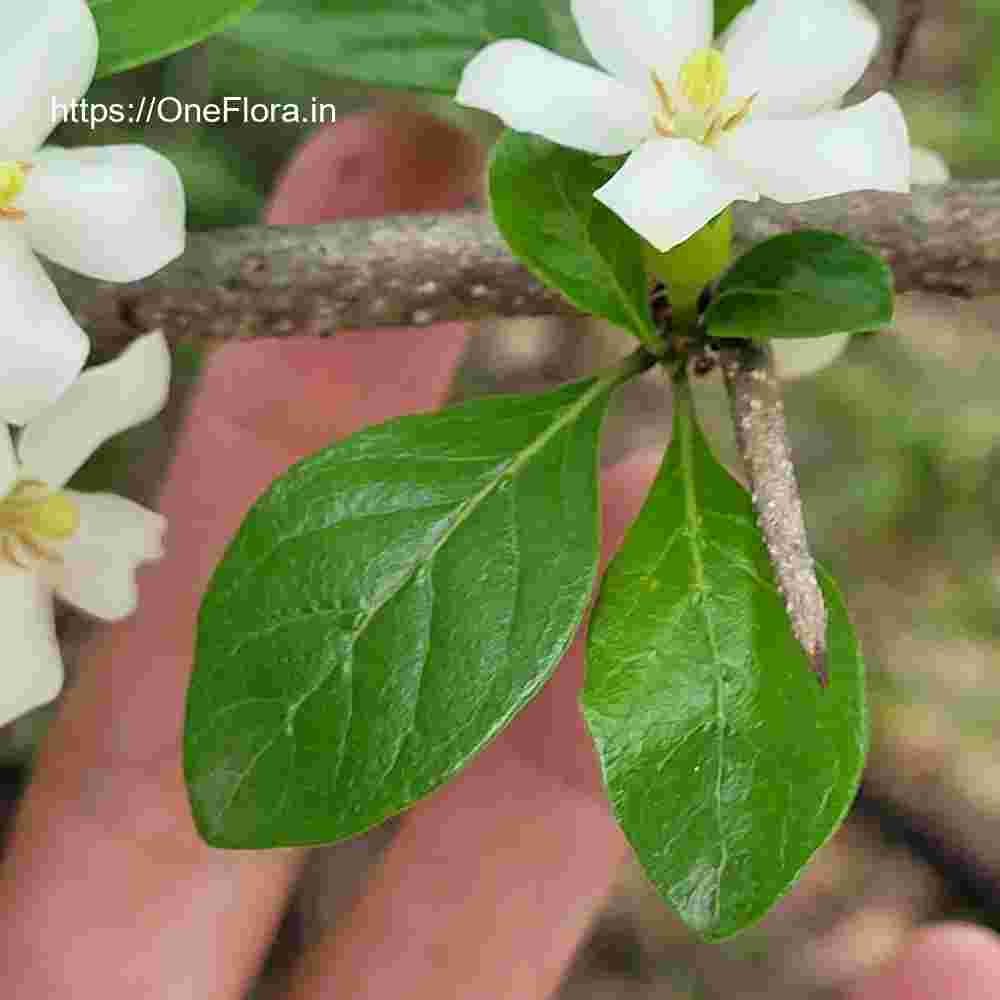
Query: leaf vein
point(694, 535)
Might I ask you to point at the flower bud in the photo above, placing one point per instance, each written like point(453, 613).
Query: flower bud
point(688, 267)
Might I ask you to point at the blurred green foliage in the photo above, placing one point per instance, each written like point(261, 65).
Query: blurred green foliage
point(228, 169)
point(950, 89)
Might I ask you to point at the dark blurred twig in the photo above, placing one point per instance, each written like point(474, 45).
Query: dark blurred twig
point(909, 14)
point(970, 878)
point(885, 68)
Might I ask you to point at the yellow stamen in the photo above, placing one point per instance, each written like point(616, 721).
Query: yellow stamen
point(663, 120)
point(662, 94)
point(736, 116)
point(704, 79)
point(13, 175)
point(56, 517)
point(9, 554)
point(32, 514)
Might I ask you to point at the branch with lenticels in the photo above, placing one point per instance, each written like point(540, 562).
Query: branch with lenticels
point(267, 281)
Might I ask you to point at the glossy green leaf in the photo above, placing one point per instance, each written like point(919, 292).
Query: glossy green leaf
point(727, 764)
point(542, 197)
point(133, 32)
point(803, 284)
point(387, 606)
point(419, 44)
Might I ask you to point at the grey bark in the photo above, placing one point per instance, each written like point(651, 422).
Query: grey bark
point(762, 439)
point(413, 270)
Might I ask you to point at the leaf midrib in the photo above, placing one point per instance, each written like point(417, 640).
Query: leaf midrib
point(692, 520)
point(425, 554)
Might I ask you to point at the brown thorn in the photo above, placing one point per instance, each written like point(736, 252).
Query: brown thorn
point(762, 438)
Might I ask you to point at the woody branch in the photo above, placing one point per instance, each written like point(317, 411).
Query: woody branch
point(414, 270)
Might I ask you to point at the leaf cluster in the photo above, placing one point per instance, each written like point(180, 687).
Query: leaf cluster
point(393, 601)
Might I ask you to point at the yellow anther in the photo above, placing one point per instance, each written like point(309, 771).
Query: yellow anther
point(30, 515)
point(704, 79)
point(12, 177)
point(663, 120)
point(662, 94)
point(55, 518)
point(737, 115)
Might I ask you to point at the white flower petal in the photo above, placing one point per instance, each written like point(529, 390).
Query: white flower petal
point(796, 357)
point(32, 671)
point(104, 401)
point(798, 57)
point(669, 188)
point(97, 571)
point(49, 56)
point(863, 148)
point(9, 470)
point(928, 167)
point(631, 38)
point(111, 212)
point(534, 90)
point(41, 346)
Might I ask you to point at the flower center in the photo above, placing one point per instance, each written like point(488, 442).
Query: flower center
point(31, 515)
point(693, 108)
point(13, 174)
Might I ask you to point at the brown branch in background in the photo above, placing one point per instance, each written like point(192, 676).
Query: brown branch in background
point(762, 439)
point(276, 281)
point(909, 14)
point(885, 68)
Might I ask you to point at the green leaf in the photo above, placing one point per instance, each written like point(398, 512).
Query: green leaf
point(727, 764)
point(726, 11)
point(420, 44)
point(218, 186)
point(385, 609)
point(133, 32)
point(542, 197)
point(565, 34)
point(803, 284)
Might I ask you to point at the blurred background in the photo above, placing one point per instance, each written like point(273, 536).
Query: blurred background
point(900, 467)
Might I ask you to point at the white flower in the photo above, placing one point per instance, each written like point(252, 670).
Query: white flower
point(114, 212)
point(796, 358)
point(83, 547)
point(703, 126)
